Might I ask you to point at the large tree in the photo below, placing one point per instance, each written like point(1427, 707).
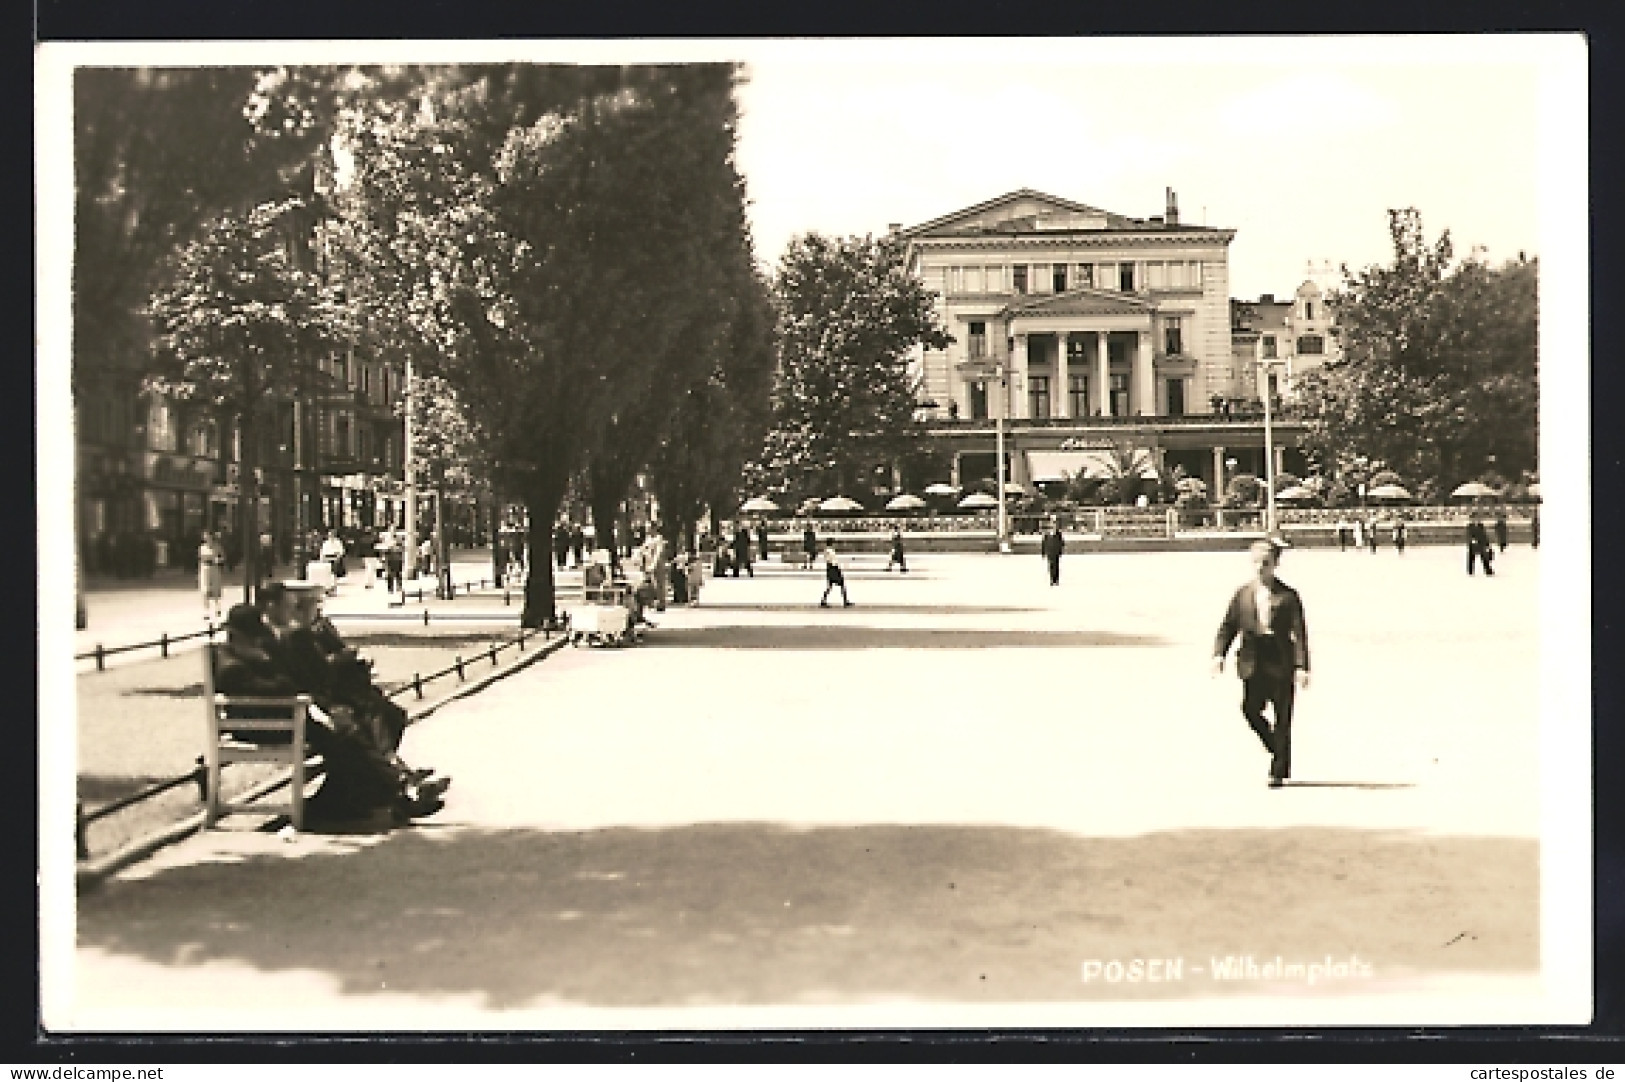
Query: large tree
point(849, 313)
point(1439, 374)
point(237, 324)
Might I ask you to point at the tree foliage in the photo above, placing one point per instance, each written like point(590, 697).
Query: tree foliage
point(1439, 375)
point(848, 315)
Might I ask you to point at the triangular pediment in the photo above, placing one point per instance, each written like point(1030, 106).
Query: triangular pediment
point(1082, 302)
point(1021, 211)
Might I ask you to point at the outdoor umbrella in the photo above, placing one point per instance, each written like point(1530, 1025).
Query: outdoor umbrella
point(1013, 489)
point(840, 503)
point(1534, 490)
point(758, 504)
point(941, 489)
point(1389, 492)
point(905, 502)
point(978, 501)
point(1294, 494)
point(1473, 490)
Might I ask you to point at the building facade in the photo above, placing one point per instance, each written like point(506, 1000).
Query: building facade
point(1085, 331)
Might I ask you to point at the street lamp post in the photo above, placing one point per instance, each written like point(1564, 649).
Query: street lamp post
point(410, 556)
point(1269, 446)
point(998, 452)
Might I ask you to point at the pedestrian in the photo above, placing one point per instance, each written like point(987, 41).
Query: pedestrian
point(426, 557)
point(561, 545)
point(809, 546)
point(742, 551)
point(896, 556)
point(210, 559)
point(1342, 535)
point(1534, 529)
point(578, 543)
point(1399, 535)
point(833, 578)
point(659, 564)
point(394, 553)
point(761, 539)
point(267, 555)
point(332, 553)
point(1273, 656)
point(1478, 547)
point(1371, 535)
point(1051, 547)
point(1501, 529)
point(1359, 533)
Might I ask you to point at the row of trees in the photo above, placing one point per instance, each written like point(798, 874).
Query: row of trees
point(563, 250)
point(1439, 378)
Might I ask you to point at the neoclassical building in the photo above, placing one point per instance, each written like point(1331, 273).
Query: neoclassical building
point(1085, 329)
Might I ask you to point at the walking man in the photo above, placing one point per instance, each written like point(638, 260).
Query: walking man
point(742, 551)
point(1051, 547)
point(1501, 529)
point(1371, 535)
point(761, 539)
point(809, 546)
point(896, 556)
point(833, 578)
point(1273, 655)
point(1478, 547)
point(1399, 535)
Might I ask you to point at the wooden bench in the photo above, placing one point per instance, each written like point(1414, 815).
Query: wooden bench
point(224, 716)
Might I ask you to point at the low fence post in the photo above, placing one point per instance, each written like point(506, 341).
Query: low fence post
point(101, 658)
point(417, 684)
point(200, 774)
point(425, 617)
point(459, 668)
point(521, 637)
point(163, 643)
point(81, 850)
point(493, 654)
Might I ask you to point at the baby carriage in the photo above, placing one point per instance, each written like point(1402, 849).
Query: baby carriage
point(603, 615)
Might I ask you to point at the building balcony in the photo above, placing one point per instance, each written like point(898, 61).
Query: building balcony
point(1286, 417)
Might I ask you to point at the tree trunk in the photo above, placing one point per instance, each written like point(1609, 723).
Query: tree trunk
point(604, 508)
point(542, 503)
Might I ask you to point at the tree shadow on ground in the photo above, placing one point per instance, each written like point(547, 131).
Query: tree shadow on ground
point(838, 636)
point(765, 913)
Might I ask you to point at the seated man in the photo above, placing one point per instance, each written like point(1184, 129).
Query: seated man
point(371, 778)
point(349, 678)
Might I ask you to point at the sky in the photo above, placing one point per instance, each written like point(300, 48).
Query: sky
point(1300, 145)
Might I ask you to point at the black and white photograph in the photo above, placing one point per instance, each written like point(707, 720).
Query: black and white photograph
point(694, 535)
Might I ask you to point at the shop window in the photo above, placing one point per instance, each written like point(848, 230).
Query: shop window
point(1018, 277)
point(1038, 396)
point(1058, 277)
point(1311, 344)
point(1172, 342)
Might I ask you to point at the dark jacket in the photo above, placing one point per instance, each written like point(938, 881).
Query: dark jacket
point(1274, 651)
point(1053, 544)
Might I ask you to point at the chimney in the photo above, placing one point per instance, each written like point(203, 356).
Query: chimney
point(1172, 214)
point(1266, 298)
point(894, 228)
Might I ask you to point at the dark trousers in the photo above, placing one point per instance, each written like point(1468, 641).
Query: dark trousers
point(897, 558)
point(830, 582)
point(1482, 555)
point(1275, 690)
point(393, 565)
point(1054, 569)
point(742, 559)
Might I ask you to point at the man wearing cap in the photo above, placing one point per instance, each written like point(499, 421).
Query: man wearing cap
point(1273, 657)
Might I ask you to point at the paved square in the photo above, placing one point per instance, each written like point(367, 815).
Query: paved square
point(959, 792)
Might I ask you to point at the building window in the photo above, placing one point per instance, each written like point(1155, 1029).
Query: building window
point(1311, 343)
point(1176, 398)
point(1119, 402)
point(1086, 274)
point(1077, 391)
point(1038, 396)
point(1058, 277)
point(1125, 277)
point(161, 426)
point(978, 401)
point(341, 429)
point(1018, 277)
point(1308, 309)
point(1156, 276)
point(1172, 343)
point(978, 340)
point(1269, 347)
point(1275, 387)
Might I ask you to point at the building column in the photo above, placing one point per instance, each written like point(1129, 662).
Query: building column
point(1280, 460)
point(1217, 494)
point(1103, 374)
point(1061, 397)
point(1018, 379)
point(1145, 380)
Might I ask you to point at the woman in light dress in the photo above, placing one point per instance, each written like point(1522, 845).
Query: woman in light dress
point(210, 558)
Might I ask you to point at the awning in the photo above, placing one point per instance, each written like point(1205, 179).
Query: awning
point(1058, 465)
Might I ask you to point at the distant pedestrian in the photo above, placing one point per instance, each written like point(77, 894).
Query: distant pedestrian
point(896, 556)
point(332, 553)
point(578, 543)
point(210, 583)
point(1478, 547)
point(1359, 533)
point(1344, 530)
point(809, 546)
point(1399, 536)
point(1051, 547)
point(1501, 530)
point(659, 564)
point(1534, 529)
point(761, 540)
point(1371, 535)
point(561, 545)
point(742, 551)
point(833, 578)
point(1273, 656)
point(393, 550)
